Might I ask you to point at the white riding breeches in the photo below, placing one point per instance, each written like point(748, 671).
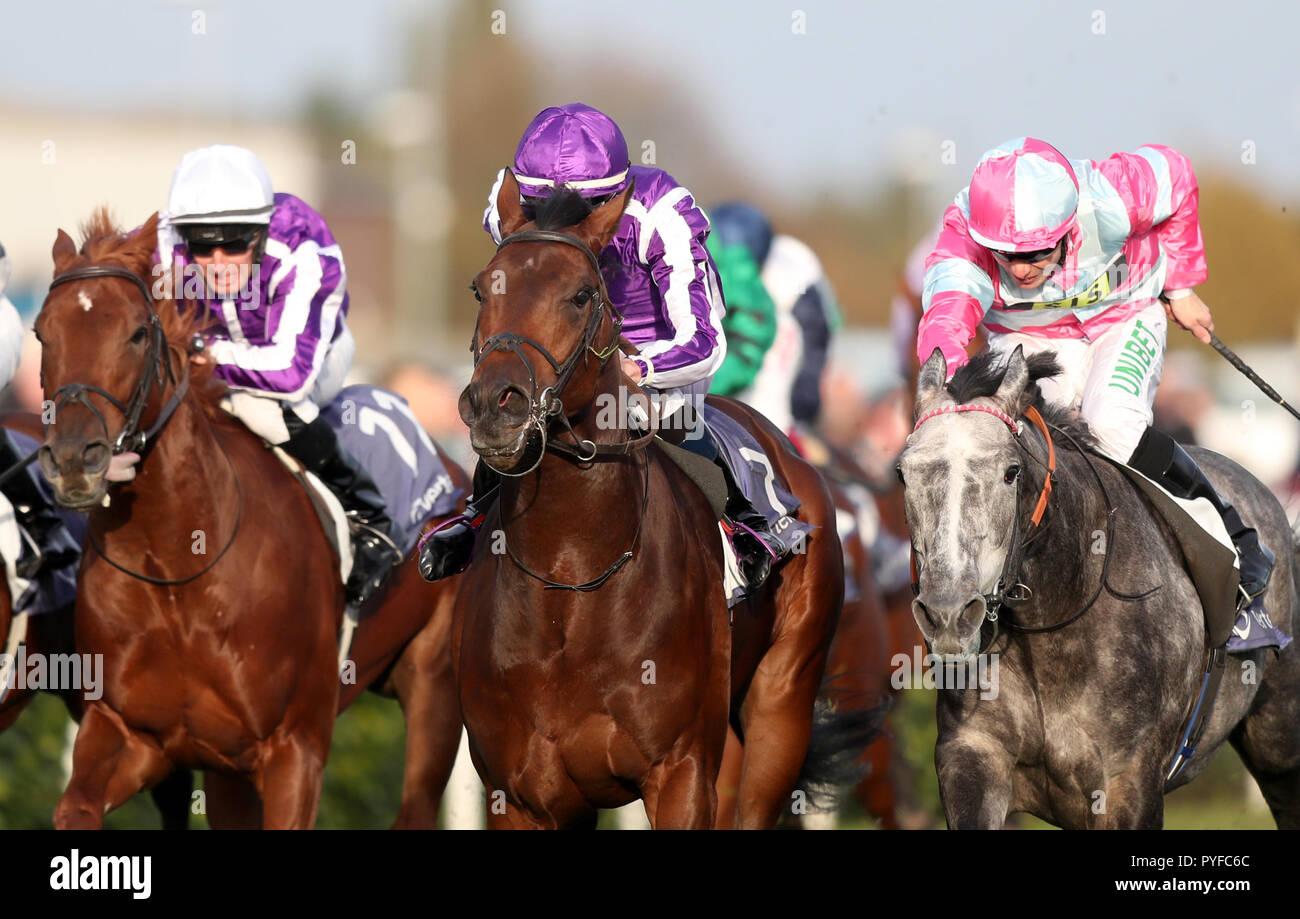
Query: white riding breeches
point(1110, 380)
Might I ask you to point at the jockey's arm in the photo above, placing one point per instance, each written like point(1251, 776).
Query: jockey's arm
point(1159, 189)
point(682, 269)
point(958, 292)
point(306, 302)
point(817, 316)
point(11, 340)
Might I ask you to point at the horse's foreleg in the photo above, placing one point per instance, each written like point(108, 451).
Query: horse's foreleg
point(680, 794)
point(232, 800)
point(426, 688)
point(728, 783)
point(975, 776)
point(291, 776)
point(173, 796)
point(110, 763)
point(1134, 800)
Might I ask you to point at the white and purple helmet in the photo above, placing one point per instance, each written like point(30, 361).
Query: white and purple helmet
point(574, 145)
point(1023, 197)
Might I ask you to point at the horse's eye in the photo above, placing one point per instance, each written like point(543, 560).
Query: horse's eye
point(898, 471)
point(139, 335)
point(582, 297)
point(1012, 473)
point(474, 291)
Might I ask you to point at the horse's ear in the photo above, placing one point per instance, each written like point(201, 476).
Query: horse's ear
point(601, 224)
point(930, 380)
point(64, 251)
point(508, 207)
point(140, 245)
point(1015, 382)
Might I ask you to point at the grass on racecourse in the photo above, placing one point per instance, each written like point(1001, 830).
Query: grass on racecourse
point(362, 787)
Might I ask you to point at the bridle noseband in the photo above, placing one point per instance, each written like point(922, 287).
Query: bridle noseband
point(130, 438)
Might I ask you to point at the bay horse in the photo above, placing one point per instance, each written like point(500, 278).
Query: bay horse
point(209, 586)
point(1088, 711)
point(856, 676)
point(594, 653)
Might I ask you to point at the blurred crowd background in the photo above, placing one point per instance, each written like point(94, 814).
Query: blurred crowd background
point(851, 125)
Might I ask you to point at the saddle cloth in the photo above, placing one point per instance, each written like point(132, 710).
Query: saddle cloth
point(757, 481)
point(1212, 564)
point(378, 428)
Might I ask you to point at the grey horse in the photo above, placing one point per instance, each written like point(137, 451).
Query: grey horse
point(1084, 720)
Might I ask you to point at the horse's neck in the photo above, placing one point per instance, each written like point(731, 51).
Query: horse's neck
point(1063, 568)
point(184, 483)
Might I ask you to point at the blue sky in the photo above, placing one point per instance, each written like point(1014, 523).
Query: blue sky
point(868, 87)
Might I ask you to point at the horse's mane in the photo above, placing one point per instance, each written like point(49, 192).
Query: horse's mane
point(561, 209)
point(981, 377)
point(103, 243)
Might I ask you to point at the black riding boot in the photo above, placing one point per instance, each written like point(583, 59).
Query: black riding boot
point(1159, 457)
point(317, 447)
point(449, 550)
point(35, 514)
point(746, 524)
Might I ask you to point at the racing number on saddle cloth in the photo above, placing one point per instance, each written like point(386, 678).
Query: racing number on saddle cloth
point(368, 420)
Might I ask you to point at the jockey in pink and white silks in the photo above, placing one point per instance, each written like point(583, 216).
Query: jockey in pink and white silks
point(660, 278)
point(1075, 257)
point(33, 511)
point(273, 279)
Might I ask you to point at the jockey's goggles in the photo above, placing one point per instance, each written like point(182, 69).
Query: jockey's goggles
point(1037, 255)
point(233, 239)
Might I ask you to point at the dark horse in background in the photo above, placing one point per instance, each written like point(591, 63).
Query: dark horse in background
point(579, 699)
point(223, 659)
point(1085, 719)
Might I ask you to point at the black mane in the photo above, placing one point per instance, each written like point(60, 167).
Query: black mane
point(982, 376)
point(561, 209)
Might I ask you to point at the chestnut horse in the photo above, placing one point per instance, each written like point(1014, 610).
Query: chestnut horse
point(221, 657)
point(51, 633)
point(595, 656)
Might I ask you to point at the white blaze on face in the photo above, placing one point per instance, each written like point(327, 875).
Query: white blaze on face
point(84, 301)
point(964, 441)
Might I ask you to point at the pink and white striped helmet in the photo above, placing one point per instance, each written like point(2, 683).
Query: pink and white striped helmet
point(1023, 196)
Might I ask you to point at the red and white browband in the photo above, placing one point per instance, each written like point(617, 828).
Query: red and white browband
point(987, 409)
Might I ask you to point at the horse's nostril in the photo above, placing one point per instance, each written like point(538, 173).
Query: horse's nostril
point(49, 465)
point(926, 612)
point(95, 457)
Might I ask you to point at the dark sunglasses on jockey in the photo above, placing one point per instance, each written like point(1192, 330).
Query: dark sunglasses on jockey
point(234, 239)
point(1036, 255)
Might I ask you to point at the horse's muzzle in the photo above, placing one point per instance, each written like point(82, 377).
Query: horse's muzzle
point(950, 627)
point(497, 415)
point(76, 470)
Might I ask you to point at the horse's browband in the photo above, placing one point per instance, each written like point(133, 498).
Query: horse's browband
point(1035, 419)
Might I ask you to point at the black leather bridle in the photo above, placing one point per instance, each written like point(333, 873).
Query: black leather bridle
point(548, 405)
point(130, 437)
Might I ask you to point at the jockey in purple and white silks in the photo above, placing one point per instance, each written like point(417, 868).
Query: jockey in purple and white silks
point(1075, 257)
point(660, 278)
point(33, 510)
point(265, 267)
